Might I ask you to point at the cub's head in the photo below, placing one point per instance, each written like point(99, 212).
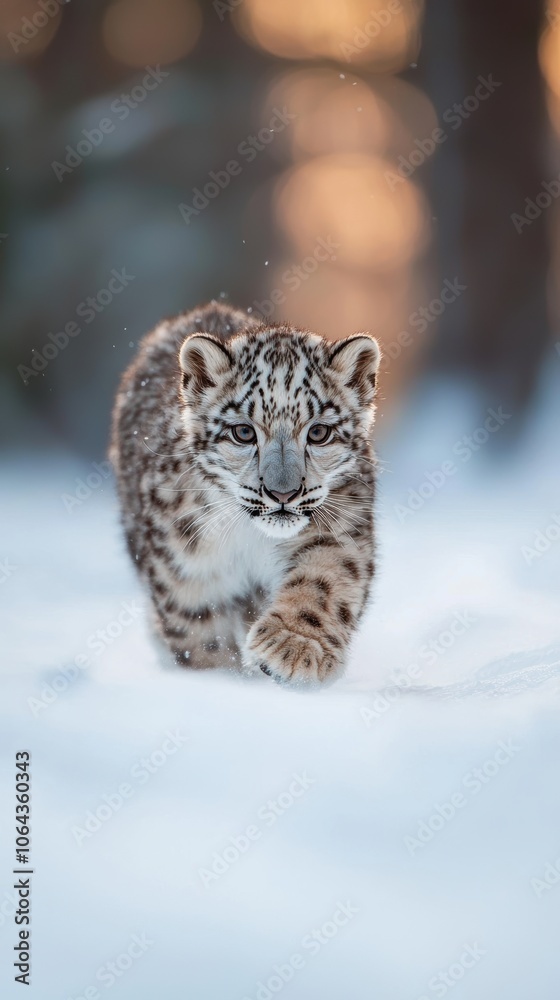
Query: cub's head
point(278, 417)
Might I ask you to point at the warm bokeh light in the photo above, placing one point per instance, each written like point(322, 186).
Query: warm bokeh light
point(340, 112)
point(25, 29)
point(549, 57)
point(383, 35)
point(148, 32)
point(339, 302)
point(349, 199)
point(333, 114)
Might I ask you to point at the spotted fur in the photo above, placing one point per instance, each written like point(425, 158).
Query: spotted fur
point(256, 555)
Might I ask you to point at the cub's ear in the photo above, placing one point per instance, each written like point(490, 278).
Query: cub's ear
point(357, 360)
point(203, 360)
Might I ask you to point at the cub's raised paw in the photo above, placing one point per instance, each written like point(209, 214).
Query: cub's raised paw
point(288, 656)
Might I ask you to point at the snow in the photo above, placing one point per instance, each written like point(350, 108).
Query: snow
point(462, 735)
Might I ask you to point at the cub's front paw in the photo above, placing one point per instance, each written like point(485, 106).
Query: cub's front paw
point(290, 656)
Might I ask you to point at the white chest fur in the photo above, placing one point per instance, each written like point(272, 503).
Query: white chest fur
point(231, 558)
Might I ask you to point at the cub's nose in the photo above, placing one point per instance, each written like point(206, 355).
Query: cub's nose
point(282, 497)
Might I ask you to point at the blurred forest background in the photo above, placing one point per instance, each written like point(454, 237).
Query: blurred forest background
point(343, 164)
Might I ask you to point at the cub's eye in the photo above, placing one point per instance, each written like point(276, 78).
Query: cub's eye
point(243, 434)
point(319, 434)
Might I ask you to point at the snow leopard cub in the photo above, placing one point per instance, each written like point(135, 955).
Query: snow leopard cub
point(245, 472)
